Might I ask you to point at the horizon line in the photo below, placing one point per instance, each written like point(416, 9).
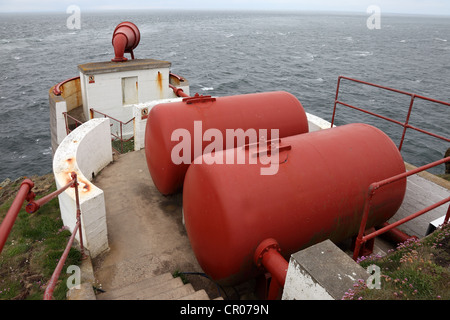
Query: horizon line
point(106, 10)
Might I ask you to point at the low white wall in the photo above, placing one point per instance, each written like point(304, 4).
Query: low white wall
point(316, 123)
point(140, 113)
point(85, 151)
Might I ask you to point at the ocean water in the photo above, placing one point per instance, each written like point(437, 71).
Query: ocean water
point(228, 53)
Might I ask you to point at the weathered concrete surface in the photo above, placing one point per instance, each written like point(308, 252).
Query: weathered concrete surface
point(145, 231)
point(422, 190)
point(85, 292)
point(321, 272)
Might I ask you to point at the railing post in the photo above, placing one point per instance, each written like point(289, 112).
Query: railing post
point(405, 126)
point(362, 228)
point(447, 216)
point(77, 201)
point(121, 137)
point(336, 100)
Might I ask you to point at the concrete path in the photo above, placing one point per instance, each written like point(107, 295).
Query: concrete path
point(145, 231)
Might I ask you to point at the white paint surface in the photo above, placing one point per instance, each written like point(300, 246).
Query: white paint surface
point(300, 285)
point(85, 151)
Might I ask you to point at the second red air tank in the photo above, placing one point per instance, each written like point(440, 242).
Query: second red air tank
point(315, 189)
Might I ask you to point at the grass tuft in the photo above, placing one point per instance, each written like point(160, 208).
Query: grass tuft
point(34, 246)
point(415, 270)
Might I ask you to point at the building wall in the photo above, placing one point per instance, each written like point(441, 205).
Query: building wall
point(105, 91)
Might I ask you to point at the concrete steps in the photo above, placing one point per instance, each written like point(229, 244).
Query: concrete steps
point(162, 287)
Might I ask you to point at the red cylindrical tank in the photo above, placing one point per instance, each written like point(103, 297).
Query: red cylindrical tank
point(253, 113)
point(317, 192)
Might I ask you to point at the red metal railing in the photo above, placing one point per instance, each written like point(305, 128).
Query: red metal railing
point(119, 135)
point(25, 193)
point(67, 116)
point(57, 89)
point(405, 124)
point(361, 238)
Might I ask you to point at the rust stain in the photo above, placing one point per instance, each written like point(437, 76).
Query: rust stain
point(159, 80)
point(86, 187)
point(68, 176)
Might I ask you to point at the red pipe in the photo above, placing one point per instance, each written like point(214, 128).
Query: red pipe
point(267, 254)
point(395, 235)
point(119, 43)
point(8, 222)
point(179, 92)
point(126, 37)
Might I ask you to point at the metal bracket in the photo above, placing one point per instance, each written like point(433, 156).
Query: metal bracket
point(198, 98)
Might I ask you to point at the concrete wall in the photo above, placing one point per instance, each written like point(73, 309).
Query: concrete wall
point(85, 151)
point(316, 123)
point(57, 122)
point(140, 114)
point(321, 272)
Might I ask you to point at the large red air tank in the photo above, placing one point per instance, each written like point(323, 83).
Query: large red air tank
point(318, 192)
point(258, 112)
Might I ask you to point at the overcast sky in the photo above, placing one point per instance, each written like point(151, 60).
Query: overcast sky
point(441, 7)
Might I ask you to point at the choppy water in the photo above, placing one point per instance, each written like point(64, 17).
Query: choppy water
point(226, 53)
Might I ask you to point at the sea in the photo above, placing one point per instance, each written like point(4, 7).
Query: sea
point(235, 52)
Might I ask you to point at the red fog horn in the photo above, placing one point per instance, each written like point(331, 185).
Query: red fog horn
point(126, 37)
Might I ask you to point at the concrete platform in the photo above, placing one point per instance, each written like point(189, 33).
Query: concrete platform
point(145, 231)
point(423, 190)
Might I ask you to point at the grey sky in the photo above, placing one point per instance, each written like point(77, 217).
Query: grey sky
point(441, 7)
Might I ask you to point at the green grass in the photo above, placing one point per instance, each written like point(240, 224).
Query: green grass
point(128, 146)
point(33, 249)
point(416, 270)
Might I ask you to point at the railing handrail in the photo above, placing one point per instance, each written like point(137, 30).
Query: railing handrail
point(57, 89)
point(93, 111)
point(52, 283)
point(25, 193)
point(121, 124)
point(66, 116)
point(362, 237)
point(405, 124)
